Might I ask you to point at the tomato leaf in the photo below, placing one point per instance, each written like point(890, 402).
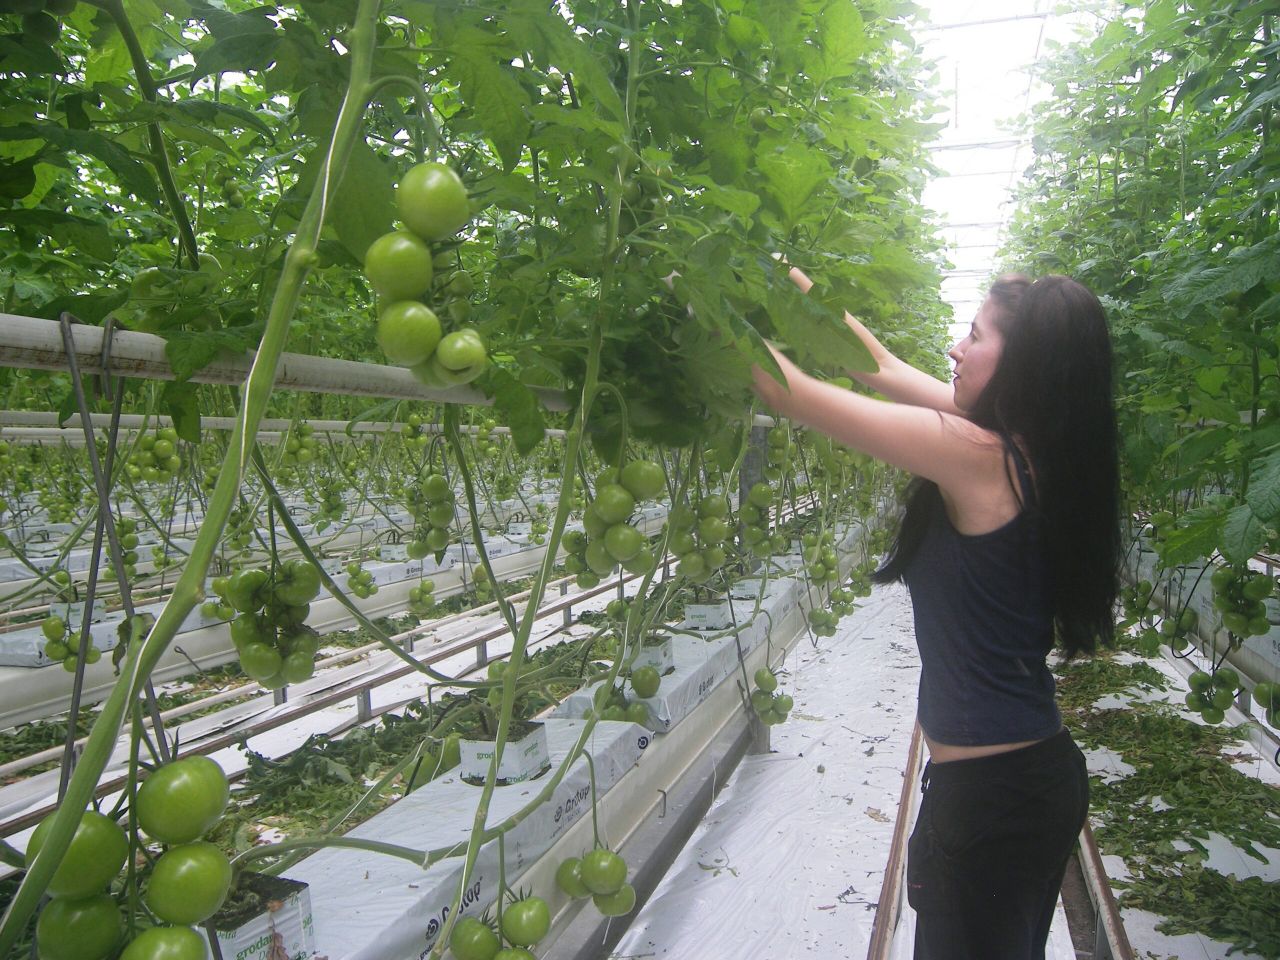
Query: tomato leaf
point(1196, 535)
point(498, 100)
point(180, 402)
point(1264, 488)
point(188, 353)
point(1243, 534)
point(793, 172)
point(363, 206)
point(134, 177)
point(518, 407)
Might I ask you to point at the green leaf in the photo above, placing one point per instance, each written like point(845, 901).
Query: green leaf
point(180, 401)
point(34, 59)
point(518, 407)
point(741, 203)
point(792, 173)
point(202, 112)
point(498, 100)
point(135, 177)
point(189, 353)
point(842, 39)
point(1244, 268)
point(1264, 488)
point(817, 331)
point(1196, 536)
point(241, 53)
point(1243, 534)
point(363, 207)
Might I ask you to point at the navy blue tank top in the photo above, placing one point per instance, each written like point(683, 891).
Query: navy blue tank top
point(984, 627)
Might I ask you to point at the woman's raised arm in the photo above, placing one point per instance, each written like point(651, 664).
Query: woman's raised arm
point(896, 379)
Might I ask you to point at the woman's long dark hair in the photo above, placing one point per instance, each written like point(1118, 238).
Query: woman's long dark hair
point(1052, 391)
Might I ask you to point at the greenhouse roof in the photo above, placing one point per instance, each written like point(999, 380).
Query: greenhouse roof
point(983, 50)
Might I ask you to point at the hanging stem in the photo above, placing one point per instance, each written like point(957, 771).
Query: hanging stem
point(143, 657)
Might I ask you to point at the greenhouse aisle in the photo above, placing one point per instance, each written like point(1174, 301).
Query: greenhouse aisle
point(789, 859)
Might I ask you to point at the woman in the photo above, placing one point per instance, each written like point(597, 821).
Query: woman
point(1009, 543)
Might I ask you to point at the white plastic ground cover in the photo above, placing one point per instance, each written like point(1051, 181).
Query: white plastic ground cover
point(789, 860)
point(373, 907)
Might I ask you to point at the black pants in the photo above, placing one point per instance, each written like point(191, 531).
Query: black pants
point(989, 849)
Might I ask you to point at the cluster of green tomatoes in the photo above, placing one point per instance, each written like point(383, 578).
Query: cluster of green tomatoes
point(176, 805)
point(412, 433)
point(1239, 595)
point(433, 205)
point(359, 580)
point(524, 922)
point(698, 533)
point(607, 538)
point(155, 458)
point(61, 645)
point(422, 598)
point(269, 631)
point(431, 504)
point(601, 875)
point(1212, 693)
point(770, 706)
point(127, 531)
point(754, 515)
point(298, 445)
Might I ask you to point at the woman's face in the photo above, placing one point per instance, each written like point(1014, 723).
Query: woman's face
point(976, 356)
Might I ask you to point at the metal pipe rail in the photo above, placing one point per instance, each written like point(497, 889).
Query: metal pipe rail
point(32, 423)
point(34, 344)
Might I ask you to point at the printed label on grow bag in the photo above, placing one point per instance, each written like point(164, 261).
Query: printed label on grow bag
point(267, 918)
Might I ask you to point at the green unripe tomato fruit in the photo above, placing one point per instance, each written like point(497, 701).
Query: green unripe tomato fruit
point(398, 265)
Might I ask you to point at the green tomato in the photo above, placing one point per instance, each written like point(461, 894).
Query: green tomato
point(613, 503)
point(398, 264)
point(432, 373)
point(189, 883)
point(513, 953)
point(97, 852)
point(408, 332)
point(259, 661)
point(645, 681)
point(761, 495)
point(713, 505)
point(432, 201)
point(182, 800)
point(297, 582)
point(166, 943)
point(83, 928)
point(617, 904)
point(603, 872)
point(461, 349)
point(623, 541)
point(642, 562)
point(599, 559)
point(643, 479)
point(765, 680)
point(473, 939)
point(526, 921)
point(53, 628)
point(569, 878)
point(246, 590)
